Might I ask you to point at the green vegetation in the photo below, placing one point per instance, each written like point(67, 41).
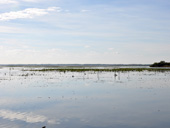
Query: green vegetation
point(101, 70)
point(161, 64)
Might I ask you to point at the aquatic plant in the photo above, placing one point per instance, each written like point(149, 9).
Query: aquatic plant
point(100, 70)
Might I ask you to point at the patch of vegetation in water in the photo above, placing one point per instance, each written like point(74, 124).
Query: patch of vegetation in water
point(161, 64)
point(101, 70)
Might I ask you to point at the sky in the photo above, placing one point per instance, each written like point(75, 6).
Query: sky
point(84, 31)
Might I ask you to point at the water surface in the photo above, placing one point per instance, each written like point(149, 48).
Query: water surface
point(84, 100)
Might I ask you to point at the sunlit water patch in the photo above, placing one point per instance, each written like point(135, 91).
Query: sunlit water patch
point(84, 99)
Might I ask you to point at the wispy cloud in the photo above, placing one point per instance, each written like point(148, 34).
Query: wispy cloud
point(110, 49)
point(87, 46)
point(8, 2)
point(34, 1)
point(84, 10)
point(8, 29)
point(37, 56)
point(27, 13)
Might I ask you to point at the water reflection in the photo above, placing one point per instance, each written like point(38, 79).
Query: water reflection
point(87, 100)
point(23, 116)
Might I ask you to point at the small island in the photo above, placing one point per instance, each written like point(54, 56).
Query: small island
point(161, 64)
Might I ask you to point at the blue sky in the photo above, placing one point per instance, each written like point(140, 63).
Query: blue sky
point(84, 31)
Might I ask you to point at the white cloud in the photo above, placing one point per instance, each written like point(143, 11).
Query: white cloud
point(8, 2)
point(84, 10)
point(27, 13)
point(31, 1)
point(111, 49)
point(58, 9)
point(87, 46)
point(34, 1)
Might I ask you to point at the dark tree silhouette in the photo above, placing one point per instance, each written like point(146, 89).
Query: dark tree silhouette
point(160, 64)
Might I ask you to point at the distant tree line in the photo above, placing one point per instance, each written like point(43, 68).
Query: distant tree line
point(161, 64)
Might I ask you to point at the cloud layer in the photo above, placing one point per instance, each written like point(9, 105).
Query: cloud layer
point(84, 32)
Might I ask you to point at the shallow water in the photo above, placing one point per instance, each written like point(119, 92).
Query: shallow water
point(84, 100)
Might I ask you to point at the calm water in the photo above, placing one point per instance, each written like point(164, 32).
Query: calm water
point(84, 100)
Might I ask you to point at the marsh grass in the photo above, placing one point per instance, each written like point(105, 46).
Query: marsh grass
point(100, 70)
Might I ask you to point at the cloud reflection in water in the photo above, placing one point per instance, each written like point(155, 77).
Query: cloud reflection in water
point(25, 116)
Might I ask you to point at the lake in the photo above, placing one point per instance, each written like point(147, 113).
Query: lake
point(31, 99)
